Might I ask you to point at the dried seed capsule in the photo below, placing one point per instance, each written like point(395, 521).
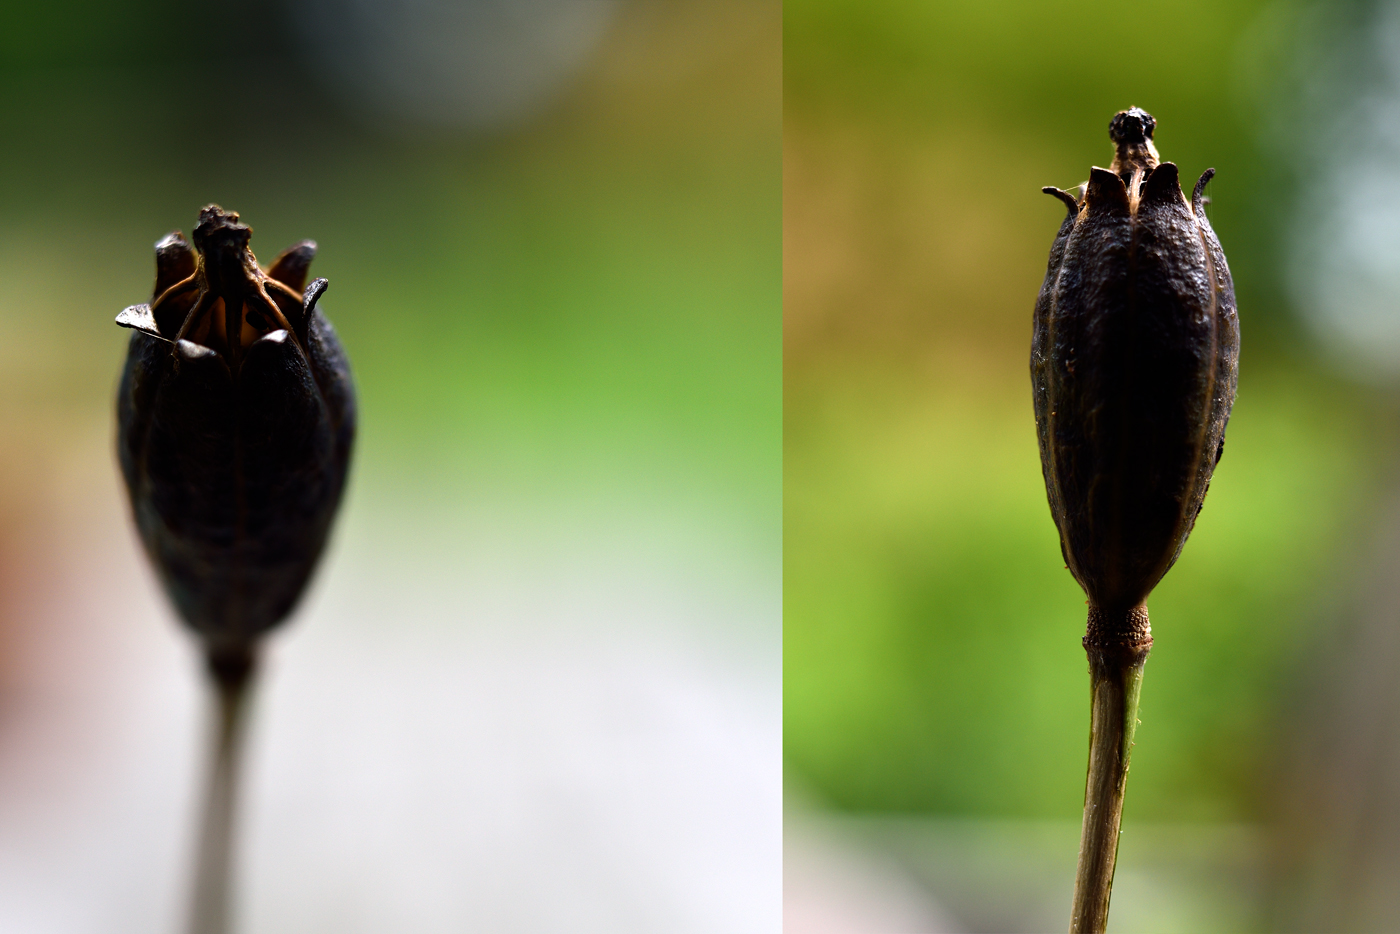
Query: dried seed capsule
point(236, 415)
point(1134, 364)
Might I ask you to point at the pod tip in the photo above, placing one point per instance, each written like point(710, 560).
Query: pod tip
point(1133, 125)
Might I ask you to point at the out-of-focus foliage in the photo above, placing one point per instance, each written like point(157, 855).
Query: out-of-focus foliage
point(932, 659)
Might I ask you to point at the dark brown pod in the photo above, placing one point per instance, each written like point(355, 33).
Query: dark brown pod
point(235, 415)
point(1134, 364)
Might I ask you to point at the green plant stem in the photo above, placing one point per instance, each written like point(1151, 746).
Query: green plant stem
point(232, 675)
point(1117, 654)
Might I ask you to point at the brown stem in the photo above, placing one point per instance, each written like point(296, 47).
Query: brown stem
point(1117, 646)
point(232, 677)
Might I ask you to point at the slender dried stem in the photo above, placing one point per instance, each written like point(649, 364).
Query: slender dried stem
point(1116, 660)
point(232, 678)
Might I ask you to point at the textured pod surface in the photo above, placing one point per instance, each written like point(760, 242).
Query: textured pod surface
point(236, 416)
point(1134, 365)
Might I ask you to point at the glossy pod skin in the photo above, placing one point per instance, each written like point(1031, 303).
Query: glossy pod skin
point(236, 416)
point(1134, 365)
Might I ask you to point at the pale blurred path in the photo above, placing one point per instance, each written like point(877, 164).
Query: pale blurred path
point(833, 884)
point(487, 717)
point(912, 874)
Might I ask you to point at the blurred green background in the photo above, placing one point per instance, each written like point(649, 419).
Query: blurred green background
point(932, 657)
point(577, 313)
point(588, 297)
point(564, 325)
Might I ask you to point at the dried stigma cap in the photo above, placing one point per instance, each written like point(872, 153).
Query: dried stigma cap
point(1133, 125)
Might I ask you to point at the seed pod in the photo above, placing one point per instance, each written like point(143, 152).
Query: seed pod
point(236, 415)
point(1134, 363)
